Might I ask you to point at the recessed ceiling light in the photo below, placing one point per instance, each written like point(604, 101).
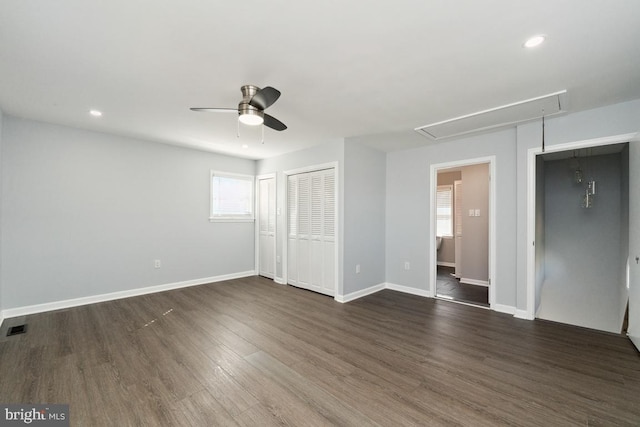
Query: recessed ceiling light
point(95, 113)
point(534, 41)
point(245, 146)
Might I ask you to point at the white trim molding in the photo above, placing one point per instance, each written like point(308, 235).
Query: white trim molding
point(523, 314)
point(501, 308)
point(361, 293)
point(475, 282)
point(75, 302)
point(446, 264)
point(408, 290)
point(379, 287)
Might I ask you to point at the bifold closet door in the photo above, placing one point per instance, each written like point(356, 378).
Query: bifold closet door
point(311, 231)
point(267, 226)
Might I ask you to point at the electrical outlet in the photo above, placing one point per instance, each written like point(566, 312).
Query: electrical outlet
point(357, 268)
point(477, 212)
point(278, 259)
point(157, 263)
point(407, 266)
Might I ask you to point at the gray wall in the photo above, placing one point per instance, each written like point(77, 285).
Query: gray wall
point(364, 217)
point(318, 155)
point(87, 213)
point(447, 252)
point(409, 216)
point(583, 276)
point(475, 229)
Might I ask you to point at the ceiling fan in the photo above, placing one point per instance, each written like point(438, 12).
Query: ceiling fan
point(251, 108)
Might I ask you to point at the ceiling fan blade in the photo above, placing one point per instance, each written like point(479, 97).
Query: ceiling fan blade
point(216, 110)
point(265, 97)
point(273, 123)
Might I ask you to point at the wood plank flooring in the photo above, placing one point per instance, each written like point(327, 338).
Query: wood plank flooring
point(249, 352)
point(449, 287)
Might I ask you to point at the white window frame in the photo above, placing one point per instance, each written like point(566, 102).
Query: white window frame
point(451, 216)
point(240, 217)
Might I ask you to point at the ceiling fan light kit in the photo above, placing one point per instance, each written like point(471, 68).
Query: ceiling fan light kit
point(250, 116)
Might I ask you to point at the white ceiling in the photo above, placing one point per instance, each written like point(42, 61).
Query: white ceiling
point(345, 68)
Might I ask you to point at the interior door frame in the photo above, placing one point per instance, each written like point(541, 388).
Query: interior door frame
point(532, 155)
point(257, 223)
point(338, 237)
point(433, 254)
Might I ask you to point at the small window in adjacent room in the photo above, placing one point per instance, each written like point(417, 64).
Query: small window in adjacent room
point(444, 211)
point(231, 197)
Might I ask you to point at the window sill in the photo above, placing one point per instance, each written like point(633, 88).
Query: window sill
point(215, 219)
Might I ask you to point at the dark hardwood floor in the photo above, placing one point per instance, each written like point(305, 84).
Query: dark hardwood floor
point(449, 287)
point(251, 352)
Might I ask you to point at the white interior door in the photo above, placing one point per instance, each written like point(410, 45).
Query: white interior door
point(267, 227)
point(311, 231)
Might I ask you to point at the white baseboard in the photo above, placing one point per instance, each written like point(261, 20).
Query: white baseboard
point(508, 309)
point(58, 305)
point(484, 283)
point(446, 264)
point(359, 294)
point(379, 287)
point(408, 290)
point(1, 318)
point(635, 340)
point(523, 314)
point(280, 280)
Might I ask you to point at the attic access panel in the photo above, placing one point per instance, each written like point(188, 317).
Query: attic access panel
point(498, 117)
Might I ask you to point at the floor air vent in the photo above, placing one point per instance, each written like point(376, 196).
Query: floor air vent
point(16, 330)
point(499, 117)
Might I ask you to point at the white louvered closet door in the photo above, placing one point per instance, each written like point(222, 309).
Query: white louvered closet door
point(267, 226)
point(311, 233)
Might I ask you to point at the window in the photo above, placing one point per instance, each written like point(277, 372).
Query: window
point(444, 211)
point(231, 197)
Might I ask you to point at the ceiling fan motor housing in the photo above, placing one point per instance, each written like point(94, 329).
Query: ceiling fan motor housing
point(244, 108)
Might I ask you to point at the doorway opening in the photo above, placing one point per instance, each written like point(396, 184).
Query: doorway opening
point(578, 229)
point(463, 232)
